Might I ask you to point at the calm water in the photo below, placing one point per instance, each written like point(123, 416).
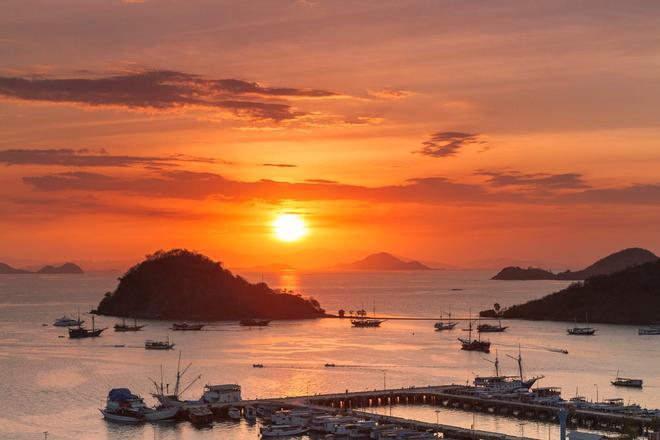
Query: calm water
point(54, 384)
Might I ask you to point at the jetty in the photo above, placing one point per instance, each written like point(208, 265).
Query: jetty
point(458, 397)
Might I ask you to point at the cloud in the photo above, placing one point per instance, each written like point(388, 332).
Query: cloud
point(538, 181)
point(447, 143)
point(164, 90)
point(94, 158)
point(278, 165)
point(427, 190)
point(387, 93)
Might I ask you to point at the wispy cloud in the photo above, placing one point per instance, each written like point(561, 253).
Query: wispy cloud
point(387, 93)
point(164, 90)
point(447, 143)
point(279, 165)
point(94, 158)
point(543, 181)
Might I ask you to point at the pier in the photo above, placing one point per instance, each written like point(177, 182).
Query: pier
point(456, 397)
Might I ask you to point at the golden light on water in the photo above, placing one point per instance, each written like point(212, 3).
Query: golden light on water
point(289, 227)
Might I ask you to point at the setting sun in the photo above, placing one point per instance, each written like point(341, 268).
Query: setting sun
point(289, 227)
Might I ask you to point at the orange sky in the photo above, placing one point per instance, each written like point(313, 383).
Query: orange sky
point(464, 133)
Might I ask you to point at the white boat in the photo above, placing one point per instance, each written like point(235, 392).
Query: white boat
point(282, 430)
point(234, 413)
point(122, 416)
point(65, 321)
point(160, 414)
point(125, 407)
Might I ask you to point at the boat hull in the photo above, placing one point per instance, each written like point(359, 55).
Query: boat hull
point(121, 419)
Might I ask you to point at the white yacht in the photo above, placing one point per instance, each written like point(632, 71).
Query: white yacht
point(65, 321)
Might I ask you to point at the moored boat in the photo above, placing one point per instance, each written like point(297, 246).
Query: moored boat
point(282, 430)
point(581, 331)
point(650, 330)
point(200, 415)
point(627, 382)
point(470, 344)
point(442, 325)
point(82, 332)
point(184, 326)
point(65, 321)
point(125, 407)
point(490, 328)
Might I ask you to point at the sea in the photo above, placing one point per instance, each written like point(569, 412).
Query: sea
point(52, 387)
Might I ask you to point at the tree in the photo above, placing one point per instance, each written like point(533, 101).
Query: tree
point(497, 307)
point(341, 313)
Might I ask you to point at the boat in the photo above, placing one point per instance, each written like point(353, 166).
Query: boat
point(362, 320)
point(581, 331)
point(174, 399)
point(65, 321)
point(123, 327)
point(626, 382)
point(505, 384)
point(470, 344)
point(490, 328)
point(184, 326)
point(234, 413)
point(150, 344)
point(650, 330)
point(82, 332)
point(442, 325)
point(257, 365)
point(282, 430)
point(200, 415)
point(125, 407)
point(254, 322)
point(330, 365)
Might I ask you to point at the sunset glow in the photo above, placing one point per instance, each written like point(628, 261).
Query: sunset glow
point(289, 227)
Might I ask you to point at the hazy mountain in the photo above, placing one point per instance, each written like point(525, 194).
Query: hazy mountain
point(66, 268)
point(630, 296)
point(612, 263)
point(381, 261)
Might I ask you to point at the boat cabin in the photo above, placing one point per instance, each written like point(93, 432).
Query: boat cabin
point(227, 393)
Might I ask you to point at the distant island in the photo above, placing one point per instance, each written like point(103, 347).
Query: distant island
point(181, 284)
point(66, 268)
point(630, 296)
point(612, 263)
point(381, 261)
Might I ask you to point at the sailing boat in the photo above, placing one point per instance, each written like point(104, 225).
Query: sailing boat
point(82, 332)
point(363, 321)
point(442, 325)
point(626, 382)
point(470, 344)
point(123, 327)
point(490, 328)
point(506, 384)
point(581, 331)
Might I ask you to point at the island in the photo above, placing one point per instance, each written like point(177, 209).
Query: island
point(186, 285)
point(66, 268)
point(610, 264)
point(381, 261)
point(630, 296)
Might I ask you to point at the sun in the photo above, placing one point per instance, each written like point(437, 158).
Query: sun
point(289, 227)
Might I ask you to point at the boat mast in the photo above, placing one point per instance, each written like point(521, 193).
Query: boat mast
point(519, 360)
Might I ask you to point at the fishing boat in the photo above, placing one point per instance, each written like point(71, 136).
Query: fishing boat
point(254, 322)
point(490, 328)
point(123, 327)
point(470, 344)
point(442, 325)
point(581, 331)
point(65, 321)
point(505, 384)
point(626, 382)
point(150, 344)
point(200, 415)
point(282, 430)
point(125, 407)
point(184, 326)
point(650, 330)
point(163, 394)
point(82, 332)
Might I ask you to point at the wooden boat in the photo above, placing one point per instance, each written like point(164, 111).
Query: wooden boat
point(200, 415)
point(489, 328)
point(150, 344)
point(627, 382)
point(470, 344)
point(362, 320)
point(184, 326)
point(282, 430)
point(123, 327)
point(254, 322)
point(581, 331)
point(81, 332)
point(442, 325)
